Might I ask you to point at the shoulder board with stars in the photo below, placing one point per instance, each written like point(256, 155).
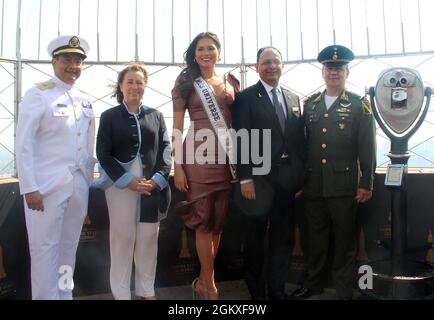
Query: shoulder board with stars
point(363, 100)
point(46, 85)
point(312, 97)
point(366, 105)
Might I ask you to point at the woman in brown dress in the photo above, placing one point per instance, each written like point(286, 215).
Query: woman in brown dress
point(198, 171)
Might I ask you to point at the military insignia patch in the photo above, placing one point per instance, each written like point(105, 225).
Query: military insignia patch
point(86, 104)
point(345, 111)
point(345, 97)
point(74, 42)
point(345, 105)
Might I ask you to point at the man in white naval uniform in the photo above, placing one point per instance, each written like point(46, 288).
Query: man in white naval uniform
point(54, 156)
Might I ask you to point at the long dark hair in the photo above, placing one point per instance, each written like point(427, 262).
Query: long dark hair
point(117, 93)
point(184, 82)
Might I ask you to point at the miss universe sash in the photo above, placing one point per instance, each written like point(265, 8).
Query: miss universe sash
point(215, 116)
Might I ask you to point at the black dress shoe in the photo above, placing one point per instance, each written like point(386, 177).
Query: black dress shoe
point(304, 293)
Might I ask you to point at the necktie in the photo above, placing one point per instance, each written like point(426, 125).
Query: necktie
point(278, 109)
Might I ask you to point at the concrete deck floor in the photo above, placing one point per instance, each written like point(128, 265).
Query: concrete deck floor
point(229, 290)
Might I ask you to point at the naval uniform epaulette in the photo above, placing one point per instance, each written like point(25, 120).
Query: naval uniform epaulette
point(311, 97)
point(46, 85)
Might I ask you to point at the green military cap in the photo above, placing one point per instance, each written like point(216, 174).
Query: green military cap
point(335, 56)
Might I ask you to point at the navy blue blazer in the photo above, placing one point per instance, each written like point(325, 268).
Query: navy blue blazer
point(118, 140)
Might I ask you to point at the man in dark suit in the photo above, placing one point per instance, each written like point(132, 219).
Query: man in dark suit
point(267, 107)
point(341, 159)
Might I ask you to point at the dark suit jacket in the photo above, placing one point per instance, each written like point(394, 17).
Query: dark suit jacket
point(118, 139)
point(253, 109)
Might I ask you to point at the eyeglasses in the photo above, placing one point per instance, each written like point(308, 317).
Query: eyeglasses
point(70, 59)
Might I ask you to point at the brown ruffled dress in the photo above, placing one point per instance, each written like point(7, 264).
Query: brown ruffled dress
point(209, 181)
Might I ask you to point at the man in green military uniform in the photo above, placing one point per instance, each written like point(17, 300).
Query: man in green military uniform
point(340, 130)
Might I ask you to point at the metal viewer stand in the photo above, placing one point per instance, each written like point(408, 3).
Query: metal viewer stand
point(399, 96)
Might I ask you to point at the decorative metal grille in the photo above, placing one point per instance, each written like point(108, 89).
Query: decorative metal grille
point(381, 33)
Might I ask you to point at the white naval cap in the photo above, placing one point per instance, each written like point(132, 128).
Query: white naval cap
point(68, 44)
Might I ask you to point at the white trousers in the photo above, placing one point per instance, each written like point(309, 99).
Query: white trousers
point(53, 239)
point(130, 240)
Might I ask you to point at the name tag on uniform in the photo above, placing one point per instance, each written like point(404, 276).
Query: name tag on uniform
point(60, 110)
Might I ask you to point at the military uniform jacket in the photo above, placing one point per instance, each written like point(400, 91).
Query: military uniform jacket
point(118, 142)
point(55, 137)
point(341, 145)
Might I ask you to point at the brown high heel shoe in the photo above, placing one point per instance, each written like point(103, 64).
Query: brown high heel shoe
point(199, 290)
point(195, 287)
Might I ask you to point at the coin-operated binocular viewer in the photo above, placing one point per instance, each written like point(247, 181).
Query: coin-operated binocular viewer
point(398, 105)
